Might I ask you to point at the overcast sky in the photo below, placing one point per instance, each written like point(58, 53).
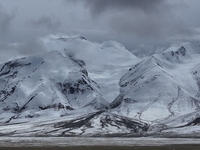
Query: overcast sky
point(134, 23)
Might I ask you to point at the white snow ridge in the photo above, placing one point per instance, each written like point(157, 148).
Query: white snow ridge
point(80, 88)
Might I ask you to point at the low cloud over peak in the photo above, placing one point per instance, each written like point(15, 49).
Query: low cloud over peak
point(155, 23)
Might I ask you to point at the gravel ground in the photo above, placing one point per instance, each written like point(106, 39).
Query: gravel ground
point(175, 147)
point(87, 143)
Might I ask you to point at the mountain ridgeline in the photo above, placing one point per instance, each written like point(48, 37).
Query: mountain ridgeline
point(80, 88)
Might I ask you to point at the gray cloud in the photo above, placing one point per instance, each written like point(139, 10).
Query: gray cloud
point(151, 23)
point(45, 23)
point(100, 6)
point(7, 51)
point(148, 26)
point(11, 51)
point(142, 21)
point(5, 20)
point(147, 50)
point(30, 47)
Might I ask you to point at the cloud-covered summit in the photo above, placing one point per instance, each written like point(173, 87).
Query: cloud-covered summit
point(150, 23)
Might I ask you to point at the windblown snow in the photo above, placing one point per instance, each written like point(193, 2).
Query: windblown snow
point(84, 88)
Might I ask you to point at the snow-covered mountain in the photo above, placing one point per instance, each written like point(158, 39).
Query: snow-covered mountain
point(89, 89)
point(75, 78)
point(32, 85)
point(106, 63)
point(162, 89)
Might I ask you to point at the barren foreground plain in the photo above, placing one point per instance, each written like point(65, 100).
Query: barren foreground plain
point(91, 143)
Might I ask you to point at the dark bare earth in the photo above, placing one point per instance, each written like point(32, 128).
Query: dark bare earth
point(170, 147)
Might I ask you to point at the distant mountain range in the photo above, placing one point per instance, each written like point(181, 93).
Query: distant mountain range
point(80, 88)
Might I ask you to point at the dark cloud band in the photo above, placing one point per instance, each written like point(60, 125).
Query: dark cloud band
point(99, 6)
